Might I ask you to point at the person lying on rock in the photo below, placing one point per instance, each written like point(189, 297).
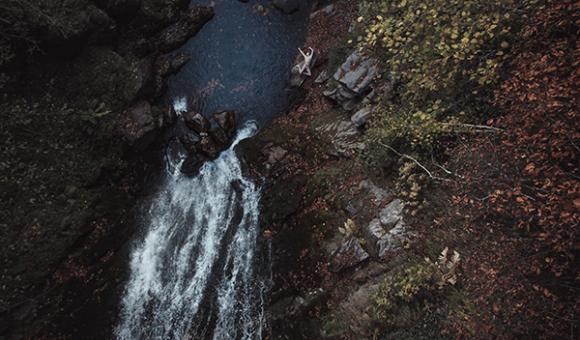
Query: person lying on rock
point(304, 66)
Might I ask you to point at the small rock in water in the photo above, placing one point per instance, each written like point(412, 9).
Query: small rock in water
point(196, 121)
point(190, 142)
point(208, 147)
point(219, 135)
point(192, 165)
point(287, 6)
point(227, 121)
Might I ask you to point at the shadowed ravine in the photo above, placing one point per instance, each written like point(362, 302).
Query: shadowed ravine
point(200, 250)
point(198, 270)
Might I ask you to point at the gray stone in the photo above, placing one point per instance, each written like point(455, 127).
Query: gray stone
point(360, 118)
point(322, 77)
point(328, 10)
point(344, 137)
point(392, 214)
point(354, 78)
point(357, 72)
point(349, 254)
point(391, 240)
point(385, 233)
point(379, 193)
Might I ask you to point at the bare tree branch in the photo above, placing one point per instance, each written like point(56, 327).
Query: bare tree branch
point(415, 161)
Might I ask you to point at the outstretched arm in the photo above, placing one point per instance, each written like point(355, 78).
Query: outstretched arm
point(301, 52)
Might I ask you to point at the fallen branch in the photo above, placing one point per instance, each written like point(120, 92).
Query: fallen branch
point(443, 168)
point(481, 128)
point(414, 160)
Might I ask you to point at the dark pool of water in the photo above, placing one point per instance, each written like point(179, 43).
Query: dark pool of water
point(241, 59)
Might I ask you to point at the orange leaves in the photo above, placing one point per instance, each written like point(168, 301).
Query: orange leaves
point(526, 183)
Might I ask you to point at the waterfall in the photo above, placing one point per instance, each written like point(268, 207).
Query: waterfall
point(196, 272)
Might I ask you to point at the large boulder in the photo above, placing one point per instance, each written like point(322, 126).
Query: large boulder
point(357, 72)
point(72, 22)
point(354, 314)
point(353, 80)
point(385, 233)
point(178, 33)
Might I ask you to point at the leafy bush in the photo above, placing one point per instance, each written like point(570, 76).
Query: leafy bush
point(442, 52)
point(411, 185)
point(419, 282)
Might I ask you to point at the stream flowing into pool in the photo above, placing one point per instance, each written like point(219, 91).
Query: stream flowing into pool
point(199, 269)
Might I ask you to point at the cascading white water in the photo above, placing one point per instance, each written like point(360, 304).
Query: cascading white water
point(194, 275)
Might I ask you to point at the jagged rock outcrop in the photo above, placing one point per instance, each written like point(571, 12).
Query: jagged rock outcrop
point(385, 233)
point(353, 80)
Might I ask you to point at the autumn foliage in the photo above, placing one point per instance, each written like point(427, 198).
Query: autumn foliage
point(521, 191)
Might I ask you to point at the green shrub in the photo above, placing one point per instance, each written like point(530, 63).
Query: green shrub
point(420, 282)
point(411, 185)
point(443, 52)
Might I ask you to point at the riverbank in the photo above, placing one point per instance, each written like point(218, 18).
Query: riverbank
point(387, 223)
point(80, 118)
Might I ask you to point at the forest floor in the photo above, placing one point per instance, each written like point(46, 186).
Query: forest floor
point(505, 198)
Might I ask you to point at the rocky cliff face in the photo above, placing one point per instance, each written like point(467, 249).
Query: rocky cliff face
point(80, 125)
